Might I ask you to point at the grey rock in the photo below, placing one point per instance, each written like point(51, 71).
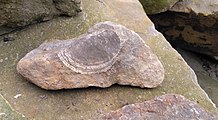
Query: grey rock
point(18, 13)
point(107, 54)
point(206, 70)
point(68, 7)
point(166, 107)
point(207, 8)
point(9, 37)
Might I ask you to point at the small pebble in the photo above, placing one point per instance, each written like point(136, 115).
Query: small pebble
point(8, 38)
point(16, 96)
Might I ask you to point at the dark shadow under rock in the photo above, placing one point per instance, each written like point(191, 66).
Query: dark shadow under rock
point(190, 31)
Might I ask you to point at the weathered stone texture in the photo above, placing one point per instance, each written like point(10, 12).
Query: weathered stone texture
point(109, 53)
point(205, 7)
point(18, 13)
point(157, 6)
point(166, 107)
point(88, 103)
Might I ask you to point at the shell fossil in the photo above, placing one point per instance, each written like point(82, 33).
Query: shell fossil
point(93, 53)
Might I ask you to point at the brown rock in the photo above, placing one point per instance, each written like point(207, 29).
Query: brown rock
point(191, 25)
point(166, 107)
point(109, 53)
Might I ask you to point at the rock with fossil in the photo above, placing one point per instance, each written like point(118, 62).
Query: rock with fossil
point(108, 53)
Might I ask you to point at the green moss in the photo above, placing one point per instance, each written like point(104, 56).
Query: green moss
point(157, 6)
point(6, 112)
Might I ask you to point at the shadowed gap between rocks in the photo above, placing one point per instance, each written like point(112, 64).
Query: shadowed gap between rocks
point(192, 32)
point(195, 38)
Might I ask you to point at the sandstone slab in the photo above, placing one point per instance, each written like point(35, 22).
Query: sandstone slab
point(85, 104)
point(109, 53)
point(166, 107)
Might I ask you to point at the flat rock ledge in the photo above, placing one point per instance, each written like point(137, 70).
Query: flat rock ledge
point(166, 107)
point(107, 54)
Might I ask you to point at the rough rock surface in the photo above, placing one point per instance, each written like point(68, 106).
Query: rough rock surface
point(191, 25)
point(206, 70)
point(166, 107)
point(207, 8)
point(85, 104)
point(18, 13)
point(109, 53)
point(157, 6)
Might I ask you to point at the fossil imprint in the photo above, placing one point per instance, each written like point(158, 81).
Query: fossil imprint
point(94, 53)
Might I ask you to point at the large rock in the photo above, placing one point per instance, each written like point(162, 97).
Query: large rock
point(157, 6)
point(191, 25)
point(166, 107)
point(109, 53)
point(88, 103)
point(18, 13)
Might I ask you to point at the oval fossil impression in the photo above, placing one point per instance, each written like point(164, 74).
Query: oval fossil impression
point(93, 53)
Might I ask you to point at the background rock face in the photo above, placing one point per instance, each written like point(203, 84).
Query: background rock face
point(166, 107)
point(157, 6)
point(18, 13)
point(207, 8)
point(88, 103)
point(191, 25)
point(108, 54)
